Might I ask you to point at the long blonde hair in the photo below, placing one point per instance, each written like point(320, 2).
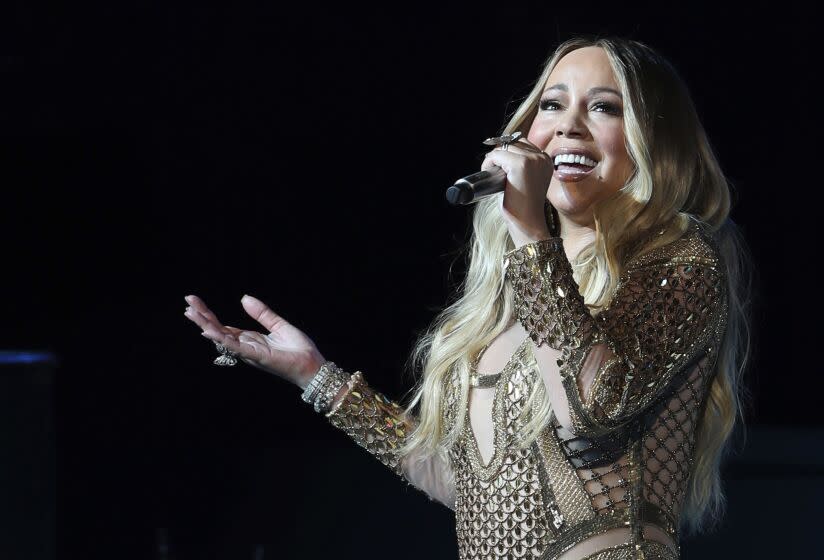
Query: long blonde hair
point(677, 178)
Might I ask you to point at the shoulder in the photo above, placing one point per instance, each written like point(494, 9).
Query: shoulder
point(695, 247)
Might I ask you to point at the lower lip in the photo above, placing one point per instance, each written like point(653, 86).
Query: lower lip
point(570, 174)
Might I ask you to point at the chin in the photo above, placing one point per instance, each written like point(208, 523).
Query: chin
point(567, 200)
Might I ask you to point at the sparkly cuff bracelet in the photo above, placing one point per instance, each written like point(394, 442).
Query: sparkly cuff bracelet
point(324, 386)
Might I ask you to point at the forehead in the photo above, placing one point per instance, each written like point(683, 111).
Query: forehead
point(582, 69)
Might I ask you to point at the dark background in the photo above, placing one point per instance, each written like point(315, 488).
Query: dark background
point(301, 155)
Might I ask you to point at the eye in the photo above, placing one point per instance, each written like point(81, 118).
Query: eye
point(607, 108)
point(546, 103)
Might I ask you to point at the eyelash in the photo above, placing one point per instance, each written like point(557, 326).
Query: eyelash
point(612, 109)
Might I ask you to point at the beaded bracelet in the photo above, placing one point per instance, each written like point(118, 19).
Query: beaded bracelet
point(316, 384)
point(337, 380)
point(324, 386)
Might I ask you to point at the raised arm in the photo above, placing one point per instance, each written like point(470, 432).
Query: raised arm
point(372, 420)
point(669, 310)
point(379, 425)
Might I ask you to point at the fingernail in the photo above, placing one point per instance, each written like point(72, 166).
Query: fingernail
point(245, 296)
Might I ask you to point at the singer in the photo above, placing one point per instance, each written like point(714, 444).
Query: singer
point(576, 401)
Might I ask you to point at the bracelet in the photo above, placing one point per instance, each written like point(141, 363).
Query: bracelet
point(311, 389)
point(315, 385)
point(335, 381)
point(324, 386)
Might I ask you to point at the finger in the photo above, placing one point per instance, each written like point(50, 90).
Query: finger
point(255, 341)
point(261, 313)
point(248, 345)
point(506, 159)
point(194, 316)
point(500, 158)
point(529, 146)
point(253, 338)
point(231, 342)
point(201, 306)
point(202, 321)
point(197, 317)
point(233, 339)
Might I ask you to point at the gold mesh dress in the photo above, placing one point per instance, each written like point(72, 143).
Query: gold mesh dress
point(622, 463)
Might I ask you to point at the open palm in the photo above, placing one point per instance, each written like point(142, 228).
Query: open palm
point(283, 350)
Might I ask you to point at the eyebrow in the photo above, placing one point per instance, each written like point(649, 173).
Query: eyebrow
point(593, 90)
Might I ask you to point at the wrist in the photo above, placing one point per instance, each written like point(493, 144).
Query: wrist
point(523, 236)
point(325, 387)
point(311, 370)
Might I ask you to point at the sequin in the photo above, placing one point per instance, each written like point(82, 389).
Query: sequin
point(628, 459)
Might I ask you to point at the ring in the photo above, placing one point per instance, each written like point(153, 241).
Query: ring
point(226, 358)
point(503, 141)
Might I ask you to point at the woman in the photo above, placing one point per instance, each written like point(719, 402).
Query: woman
point(576, 400)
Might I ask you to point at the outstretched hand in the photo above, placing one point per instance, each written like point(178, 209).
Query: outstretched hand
point(283, 350)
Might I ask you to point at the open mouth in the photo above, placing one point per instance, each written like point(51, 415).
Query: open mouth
point(574, 161)
point(572, 167)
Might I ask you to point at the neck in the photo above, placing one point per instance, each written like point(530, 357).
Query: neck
point(576, 234)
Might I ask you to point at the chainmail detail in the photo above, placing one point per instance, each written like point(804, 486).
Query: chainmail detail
point(374, 422)
point(546, 297)
point(668, 307)
point(573, 501)
point(647, 550)
point(501, 509)
point(667, 449)
point(627, 457)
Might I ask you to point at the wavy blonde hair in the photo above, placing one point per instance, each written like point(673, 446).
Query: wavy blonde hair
point(677, 178)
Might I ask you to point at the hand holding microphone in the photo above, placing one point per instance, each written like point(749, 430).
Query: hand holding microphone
point(522, 171)
point(469, 189)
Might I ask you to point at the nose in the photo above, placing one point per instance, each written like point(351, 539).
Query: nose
point(570, 125)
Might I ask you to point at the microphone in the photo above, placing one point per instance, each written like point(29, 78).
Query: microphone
point(471, 188)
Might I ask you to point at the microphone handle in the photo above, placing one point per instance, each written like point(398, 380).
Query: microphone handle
point(471, 188)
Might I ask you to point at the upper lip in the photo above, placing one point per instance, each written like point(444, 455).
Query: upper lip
point(576, 151)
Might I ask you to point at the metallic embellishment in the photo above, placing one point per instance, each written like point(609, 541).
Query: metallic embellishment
point(555, 519)
point(508, 395)
point(570, 496)
point(226, 358)
point(503, 141)
point(484, 381)
point(628, 460)
point(374, 422)
point(490, 380)
point(653, 327)
point(501, 510)
point(647, 550)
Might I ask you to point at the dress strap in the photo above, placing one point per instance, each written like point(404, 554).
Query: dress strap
point(486, 381)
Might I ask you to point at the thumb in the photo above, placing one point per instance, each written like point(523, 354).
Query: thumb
point(261, 313)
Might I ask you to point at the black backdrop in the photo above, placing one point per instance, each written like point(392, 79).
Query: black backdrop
point(301, 155)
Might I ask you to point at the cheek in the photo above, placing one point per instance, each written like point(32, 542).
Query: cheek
point(615, 146)
point(540, 134)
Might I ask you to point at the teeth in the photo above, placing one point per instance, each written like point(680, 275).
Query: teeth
point(572, 158)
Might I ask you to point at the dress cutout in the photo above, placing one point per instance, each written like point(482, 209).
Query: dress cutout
point(621, 468)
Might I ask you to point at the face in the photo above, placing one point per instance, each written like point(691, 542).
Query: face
point(581, 110)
